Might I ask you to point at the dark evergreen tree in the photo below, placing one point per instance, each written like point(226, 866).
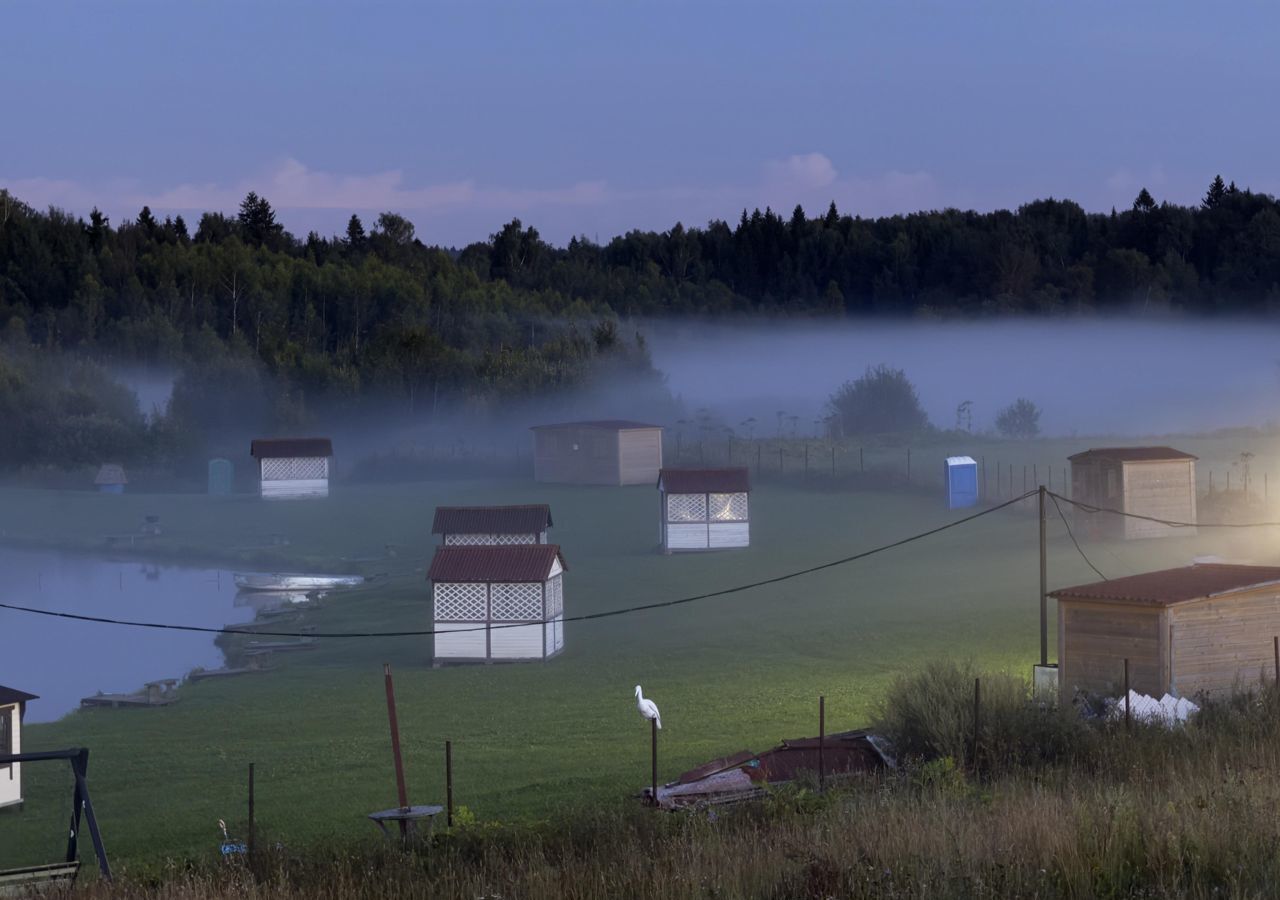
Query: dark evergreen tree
point(1217, 190)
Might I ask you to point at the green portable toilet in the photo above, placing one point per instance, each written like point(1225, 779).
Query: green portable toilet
point(220, 477)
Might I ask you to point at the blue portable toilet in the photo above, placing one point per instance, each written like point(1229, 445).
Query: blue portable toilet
point(220, 472)
point(962, 482)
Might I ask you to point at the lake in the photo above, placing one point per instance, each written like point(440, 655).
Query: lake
point(63, 660)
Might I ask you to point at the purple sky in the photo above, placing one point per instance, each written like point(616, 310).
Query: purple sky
point(597, 116)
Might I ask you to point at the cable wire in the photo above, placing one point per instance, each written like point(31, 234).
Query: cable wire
point(585, 617)
point(1071, 535)
point(1090, 508)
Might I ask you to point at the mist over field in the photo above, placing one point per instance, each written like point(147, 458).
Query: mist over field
point(1089, 376)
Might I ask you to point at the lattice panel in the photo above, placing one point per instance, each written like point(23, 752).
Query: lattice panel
point(686, 507)
point(728, 507)
point(459, 602)
point(295, 469)
point(555, 597)
point(516, 602)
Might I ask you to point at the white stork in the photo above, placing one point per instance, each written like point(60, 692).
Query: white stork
point(647, 708)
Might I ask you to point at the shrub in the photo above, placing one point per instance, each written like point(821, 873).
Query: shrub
point(1020, 419)
point(882, 401)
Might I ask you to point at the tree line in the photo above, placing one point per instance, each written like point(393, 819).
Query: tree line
point(299, 323)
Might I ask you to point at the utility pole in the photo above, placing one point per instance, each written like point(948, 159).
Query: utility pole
point(1044, 587)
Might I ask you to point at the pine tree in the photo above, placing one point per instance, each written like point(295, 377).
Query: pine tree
point(355, 232)
point(258, 225)
point(180, 229)
point(833, 218)
point(147, 222)
point(1144, 202)
point(98, 227)
point(1217, 190)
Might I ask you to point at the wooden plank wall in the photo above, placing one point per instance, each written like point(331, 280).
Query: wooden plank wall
point(577, 456)
point(639, 455)
point(1164, 490)
point(1219, 644)
point(1096, 638)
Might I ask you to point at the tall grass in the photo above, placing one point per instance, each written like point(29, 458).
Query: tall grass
point(1061, 808)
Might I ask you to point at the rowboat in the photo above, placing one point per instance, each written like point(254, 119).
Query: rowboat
point(279, 581)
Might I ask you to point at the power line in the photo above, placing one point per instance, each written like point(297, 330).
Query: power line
point(585, 617)
point(1090, 508)
point(1071, 534)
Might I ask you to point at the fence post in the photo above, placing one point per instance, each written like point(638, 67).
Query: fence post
point(806, 460)
point(984, 477)
point(252, 829)
point(448, 782)
point(781, 469)
point(908, 465)
point(1126, 694)
point(861, 466)
point(653, 727)
point(977, 708)
point(822, 740)
point(759, 452)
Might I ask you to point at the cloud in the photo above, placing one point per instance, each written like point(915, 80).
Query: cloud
point(802, 171)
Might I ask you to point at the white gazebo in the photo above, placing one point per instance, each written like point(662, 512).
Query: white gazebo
point(704, 509)
point(13, 705)
point(293, 467)
point(497, 604)
point(462, 526)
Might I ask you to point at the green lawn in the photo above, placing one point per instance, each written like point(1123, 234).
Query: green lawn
point(729, 673)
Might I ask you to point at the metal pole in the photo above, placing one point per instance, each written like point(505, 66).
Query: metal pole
point(653, 728)
point(401, 793)
point(252, 840)
point(1126, 694)
point(448, 782)
point(1044, 586)
point(822, 741)
point(977, 706)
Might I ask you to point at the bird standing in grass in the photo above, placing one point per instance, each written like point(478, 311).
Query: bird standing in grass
point(648, 708)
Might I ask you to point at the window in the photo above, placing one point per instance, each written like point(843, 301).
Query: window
point(686, 507)
point(728, 507)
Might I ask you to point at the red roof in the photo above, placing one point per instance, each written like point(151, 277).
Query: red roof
point(516, 563)
point(607, 424)
point(704, 481)
point(531, 519)
point(1169, 586)
point(281, 448)
point(1132, 454)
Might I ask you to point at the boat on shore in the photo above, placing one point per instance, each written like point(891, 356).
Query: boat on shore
point(281, 581)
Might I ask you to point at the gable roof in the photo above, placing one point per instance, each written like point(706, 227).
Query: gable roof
point(1132, 454)
point(1169, 586)
point(704, 481)
point(529, 519)
point(111, 473)
point(13, 695)
point(515, 563)
point(606, 424)
point(278, 448)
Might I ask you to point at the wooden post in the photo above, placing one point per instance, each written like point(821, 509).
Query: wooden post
point(252, 836)
point(448, 783)
point(977, 709)
point(759, 451)
point(1126, 694)
point(653, 728)
point(401, 792)
point(1211, 481)
point(1044, 587)
point(1024, 479)
point(822, 740)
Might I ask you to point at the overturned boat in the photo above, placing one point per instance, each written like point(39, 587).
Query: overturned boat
point(281, 581)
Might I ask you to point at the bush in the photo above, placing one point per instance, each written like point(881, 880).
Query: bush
point(882, 401)
point(1020, 419)
point(928, 715)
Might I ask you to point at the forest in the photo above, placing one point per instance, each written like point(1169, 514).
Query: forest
point(269, 327)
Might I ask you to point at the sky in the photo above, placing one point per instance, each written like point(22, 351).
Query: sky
point(595, 117)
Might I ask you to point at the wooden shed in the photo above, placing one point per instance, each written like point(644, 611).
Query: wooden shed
point(111, 478)
point(704, 509)
point(1197, 629)
point(1147, 481)
point(13, 706)
point(291, 468)
point(610, 451)
point(497, 604)
point(469, 526)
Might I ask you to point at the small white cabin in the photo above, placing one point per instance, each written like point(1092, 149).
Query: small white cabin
point(704, 509)
point(13, 705)
point(290, 468)
point(470, 526)
point(497, 604)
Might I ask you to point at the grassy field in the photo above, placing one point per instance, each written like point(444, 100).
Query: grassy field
point(532, 741)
